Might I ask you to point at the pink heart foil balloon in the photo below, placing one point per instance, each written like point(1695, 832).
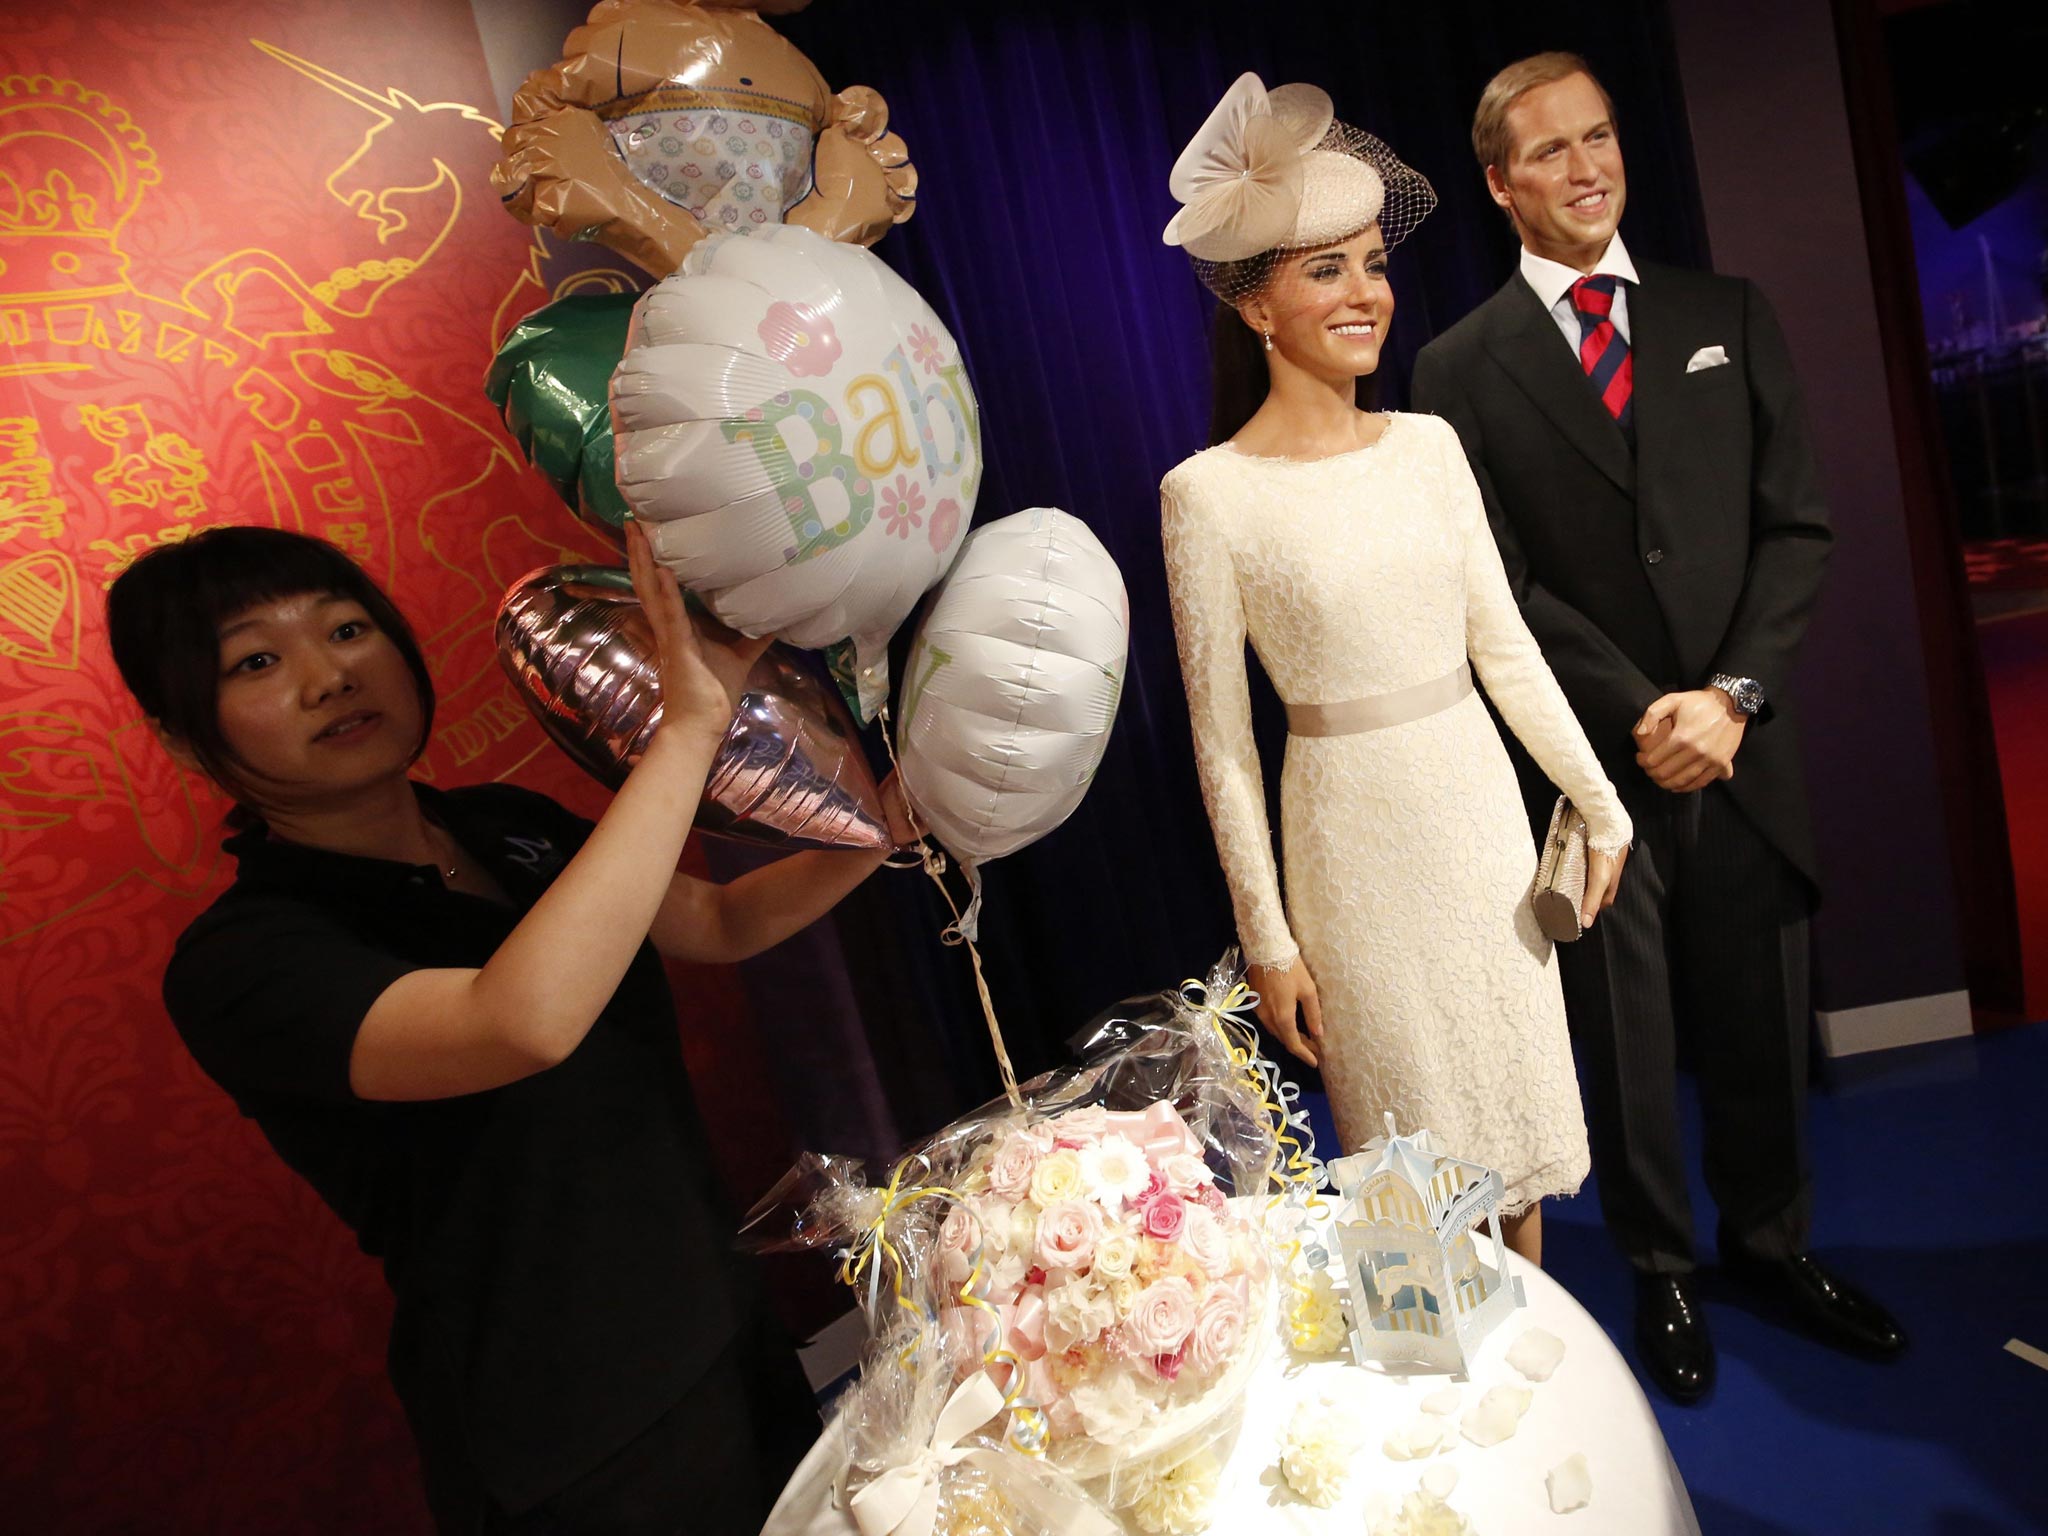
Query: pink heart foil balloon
point(790, 772)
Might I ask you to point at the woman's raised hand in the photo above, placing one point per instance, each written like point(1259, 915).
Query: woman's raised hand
point(1283, 991)
point(703, 664)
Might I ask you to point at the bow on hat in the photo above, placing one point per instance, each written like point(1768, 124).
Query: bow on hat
point(1239, 181)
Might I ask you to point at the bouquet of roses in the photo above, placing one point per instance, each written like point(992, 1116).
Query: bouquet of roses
point(1065, 1297)
point(1108, 1266)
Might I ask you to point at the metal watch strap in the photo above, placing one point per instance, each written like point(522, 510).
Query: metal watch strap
point(1746, 693)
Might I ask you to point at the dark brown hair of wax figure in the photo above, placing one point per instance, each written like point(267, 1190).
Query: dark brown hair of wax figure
point(165, 612)
point(1238, 380)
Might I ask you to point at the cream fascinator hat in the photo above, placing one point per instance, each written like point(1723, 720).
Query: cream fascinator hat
point(1277, 171)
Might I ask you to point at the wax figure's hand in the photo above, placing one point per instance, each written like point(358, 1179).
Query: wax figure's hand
point(703, 664)
point(1283, 991)
point(1705, 732)
point(1603, 883)
point(896, 805)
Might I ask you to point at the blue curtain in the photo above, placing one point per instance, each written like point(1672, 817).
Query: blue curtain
point(1042, 134)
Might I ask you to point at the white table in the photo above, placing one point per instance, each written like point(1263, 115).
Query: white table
point(1590, 1405)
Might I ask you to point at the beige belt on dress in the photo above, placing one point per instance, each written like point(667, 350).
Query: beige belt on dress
point(1380, 710)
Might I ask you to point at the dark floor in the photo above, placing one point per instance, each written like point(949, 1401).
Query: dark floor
point(1931, 1179)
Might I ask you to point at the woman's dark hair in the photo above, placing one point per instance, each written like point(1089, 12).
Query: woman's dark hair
point(165, 612)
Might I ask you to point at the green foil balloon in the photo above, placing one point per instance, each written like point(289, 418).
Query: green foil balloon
point(548, 381)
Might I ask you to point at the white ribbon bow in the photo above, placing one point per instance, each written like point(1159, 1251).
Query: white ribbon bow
point(904, 1501)
point(1239, 180)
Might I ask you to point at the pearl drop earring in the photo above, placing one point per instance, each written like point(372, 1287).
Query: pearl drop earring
point(1269, 339)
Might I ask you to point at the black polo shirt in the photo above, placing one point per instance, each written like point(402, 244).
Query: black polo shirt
point(562, 1265)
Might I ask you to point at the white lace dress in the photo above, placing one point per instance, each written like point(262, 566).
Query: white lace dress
point(1408, 854)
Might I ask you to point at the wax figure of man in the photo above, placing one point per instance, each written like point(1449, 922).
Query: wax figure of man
point(1638, 436)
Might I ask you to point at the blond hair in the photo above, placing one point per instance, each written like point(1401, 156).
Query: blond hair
point(1490, 140)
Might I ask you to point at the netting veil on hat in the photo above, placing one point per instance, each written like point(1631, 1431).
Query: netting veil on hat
point(1276, 171)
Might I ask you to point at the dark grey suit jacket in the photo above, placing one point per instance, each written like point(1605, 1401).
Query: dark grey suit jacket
point(1645, 572)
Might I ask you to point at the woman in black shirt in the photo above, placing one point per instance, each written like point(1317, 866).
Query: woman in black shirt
point(445, 1010)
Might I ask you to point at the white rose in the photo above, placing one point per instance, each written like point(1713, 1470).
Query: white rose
point(1116, 1251)
point(1056, 1178)
point(1123, 1295)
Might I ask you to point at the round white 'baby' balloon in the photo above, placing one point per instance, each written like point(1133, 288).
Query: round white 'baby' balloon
point(1013, 683)
point(796, 430)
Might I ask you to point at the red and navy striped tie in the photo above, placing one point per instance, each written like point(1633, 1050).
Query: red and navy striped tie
point(1603, 350)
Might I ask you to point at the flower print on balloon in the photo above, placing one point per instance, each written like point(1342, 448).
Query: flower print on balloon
point(902, 506)
point(924, 349)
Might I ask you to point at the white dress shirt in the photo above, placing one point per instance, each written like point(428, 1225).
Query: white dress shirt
point(1553, 281)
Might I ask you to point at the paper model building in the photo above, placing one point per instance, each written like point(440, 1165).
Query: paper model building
point(1427, 1284)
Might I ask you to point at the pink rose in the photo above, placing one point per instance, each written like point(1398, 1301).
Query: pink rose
point(1164, 1216)
point(799, 338)
point(1168, 1366)
point(1203, 1239)
point(1185, 1174)
point(1218, 1330)
point(1162, 1317)
point(1089, 1123)
point(1154, 1187)
point(1067, 1234)
point(959, 1236)
point(1009, 1172)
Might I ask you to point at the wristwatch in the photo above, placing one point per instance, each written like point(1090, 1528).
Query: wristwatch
point(1746, 692)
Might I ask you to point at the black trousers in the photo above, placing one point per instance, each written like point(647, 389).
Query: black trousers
point(1708, 935)
point(713, 1465)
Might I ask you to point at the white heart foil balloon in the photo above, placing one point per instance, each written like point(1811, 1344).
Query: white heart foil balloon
point(1013, 683)
point(796, 429)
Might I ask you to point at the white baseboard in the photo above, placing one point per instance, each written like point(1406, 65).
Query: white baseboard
point(1881, 1026)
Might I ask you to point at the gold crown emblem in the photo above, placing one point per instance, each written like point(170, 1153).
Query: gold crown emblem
point(71, 162)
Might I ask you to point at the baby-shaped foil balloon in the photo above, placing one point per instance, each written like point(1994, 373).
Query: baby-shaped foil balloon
point(667, 120)
point(795, 430)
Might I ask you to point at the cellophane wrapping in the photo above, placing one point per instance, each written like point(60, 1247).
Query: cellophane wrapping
point(1100, 1254)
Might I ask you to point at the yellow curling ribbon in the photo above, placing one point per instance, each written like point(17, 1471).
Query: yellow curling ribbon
point(1029, 1429)
point(873, 1247)
point(1300, 1171)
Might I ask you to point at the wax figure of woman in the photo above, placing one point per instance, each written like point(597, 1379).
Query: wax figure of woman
point(1353, 550)
point(445, 1010)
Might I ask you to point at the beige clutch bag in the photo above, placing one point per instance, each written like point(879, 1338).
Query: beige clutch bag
point(1560, 889)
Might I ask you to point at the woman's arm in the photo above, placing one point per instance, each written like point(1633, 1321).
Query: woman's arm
point(1209, 630)
point(718, 924)
point(1519, 681)
point(438, 1033)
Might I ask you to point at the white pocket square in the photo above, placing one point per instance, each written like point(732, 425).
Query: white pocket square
point(1706, 357)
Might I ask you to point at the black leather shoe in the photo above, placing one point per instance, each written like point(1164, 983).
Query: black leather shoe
point(1823, 1304)
point(1671, 1337)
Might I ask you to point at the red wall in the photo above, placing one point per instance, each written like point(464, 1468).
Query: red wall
point(244, 281)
